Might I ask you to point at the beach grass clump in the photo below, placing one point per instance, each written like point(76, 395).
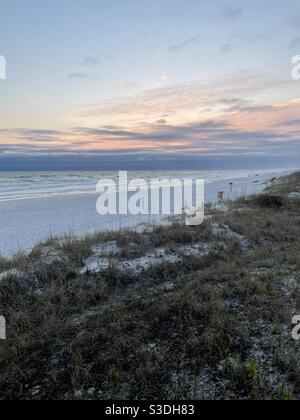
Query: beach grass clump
point(269, 201)
point(3, 264)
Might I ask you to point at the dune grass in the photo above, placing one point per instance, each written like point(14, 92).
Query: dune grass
point(216, 326)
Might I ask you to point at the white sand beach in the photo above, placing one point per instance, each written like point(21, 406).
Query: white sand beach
point(26, 221)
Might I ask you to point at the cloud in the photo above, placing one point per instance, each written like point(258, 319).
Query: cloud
point(244, 106)
point(110, 57)
point(187, 43)
point(78, 76)
point(195, 119)
point(136, 162)
point(289, 123)
point(33, 135)
point(184, 101)
point(209, 137)
point(250, 38)
point(294, 44)
point(293, 22)
point(233, 13)
point(131, 85)
point(227, 48)
point(91, 62)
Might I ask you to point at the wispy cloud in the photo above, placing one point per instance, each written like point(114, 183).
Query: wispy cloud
point(110, 57)
point(172, 121)
point(227, 48)
point(187, 43)
point(91, 62)
point(294, 44)
point(183, 102)
point(233, 13)
point(78, 76)
point(203, 138)
point(88, 65)
point(292, 23)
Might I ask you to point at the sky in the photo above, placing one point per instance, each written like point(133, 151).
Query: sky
point(132, 84)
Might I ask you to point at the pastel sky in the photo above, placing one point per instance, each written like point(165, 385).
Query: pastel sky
point(149, 84)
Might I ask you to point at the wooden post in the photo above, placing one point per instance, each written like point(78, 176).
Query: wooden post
point(220, 197)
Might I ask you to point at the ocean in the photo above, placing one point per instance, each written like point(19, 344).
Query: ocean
point(31, 185)
point(37, 205)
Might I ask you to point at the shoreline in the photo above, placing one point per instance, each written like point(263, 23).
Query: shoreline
point(26, 222)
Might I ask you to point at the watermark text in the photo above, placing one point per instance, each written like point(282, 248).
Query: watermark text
point(2, 68)
point(296, 67)
point(296, 329)
point(152, 197)
point(2, 328)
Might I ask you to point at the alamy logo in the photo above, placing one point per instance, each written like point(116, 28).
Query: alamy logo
point(2, 68)
point(2, 328)
point(154, 197)
point(296, 329)
point(296, 67)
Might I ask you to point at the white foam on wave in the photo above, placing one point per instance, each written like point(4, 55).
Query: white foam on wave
point(31, 185)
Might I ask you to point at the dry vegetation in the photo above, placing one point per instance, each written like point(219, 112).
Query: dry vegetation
point(213, 325)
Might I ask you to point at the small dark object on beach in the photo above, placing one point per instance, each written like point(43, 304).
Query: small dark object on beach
point(220, 197)
point(269, 201)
